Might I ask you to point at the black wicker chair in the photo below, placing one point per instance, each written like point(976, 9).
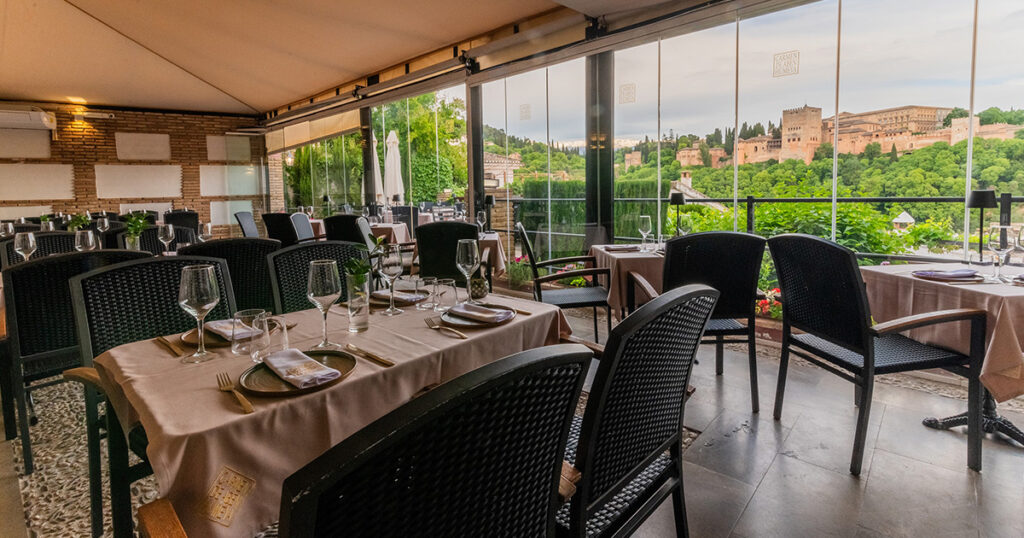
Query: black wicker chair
point(150, 216)
point(437, 245)
point(280, 227)
point(111, 215)
point(47, 243)
point(593, 296)
point(823, 297)
point(27, 227)
point(183, 219)
point(41, 339)
point(409, 215)
point(346, 228)
point(149, 240)
point(289, 271)
point(108, 238)
point(730, 262)
point(247, 223)
point(247, 262)
point(103, 301)
point(627, 445)
point(303, 228)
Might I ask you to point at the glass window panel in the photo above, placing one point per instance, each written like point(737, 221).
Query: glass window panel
point(567, 181)
point(497, 171)
point(527, 158)
point(636, 141)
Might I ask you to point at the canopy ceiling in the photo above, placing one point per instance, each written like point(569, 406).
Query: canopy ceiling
point(236, 56)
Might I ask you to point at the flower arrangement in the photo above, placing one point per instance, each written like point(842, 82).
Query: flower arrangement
point(78, 221)
point(575, 282)
point(770, 307)
point(518, 272)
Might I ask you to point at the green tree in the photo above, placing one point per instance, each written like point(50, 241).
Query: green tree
point(957, 112)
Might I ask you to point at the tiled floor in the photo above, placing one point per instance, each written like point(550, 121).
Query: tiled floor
point(749, 476)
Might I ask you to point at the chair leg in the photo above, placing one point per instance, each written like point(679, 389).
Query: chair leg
point(92, 429)
point(7, 399)
point(862, 426)
point(679, 497)
point(975, 395)
point(858, 395)
point(120, 483)
point(719, 354)
point(597, 337)
point(21, 400)
point(780, 390)
point(755, 404)
point(608, 322)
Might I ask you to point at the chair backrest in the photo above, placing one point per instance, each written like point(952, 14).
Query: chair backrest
point(247, 263)
point(822, 289)
point(33, 220)
point(477, 456)
point(280, 227)
point(303, 228)
point(289, 271)
point(635, 407)
point(149, 239)
point(343, 228)
point(437, 245)
point(47, 243)
point(524, 238)
point(730, 262)
point(111, 215)
point(27, 227)
point(137, 300)
point(247, 223)
point(183, 219)
point(409, 215)
point(40, 319)
point(110, 237)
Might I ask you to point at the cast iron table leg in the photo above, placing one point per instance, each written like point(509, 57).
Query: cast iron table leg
point(991, 422)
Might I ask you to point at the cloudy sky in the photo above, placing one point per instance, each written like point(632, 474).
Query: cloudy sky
point(894, 52)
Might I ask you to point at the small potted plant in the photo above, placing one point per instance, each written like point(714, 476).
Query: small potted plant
point(358, 273)
point(78, 222)
point(134, 224)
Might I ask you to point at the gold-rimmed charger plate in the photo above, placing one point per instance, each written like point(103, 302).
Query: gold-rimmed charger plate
point(213, 339)
point(260, 380)
point(458, 322)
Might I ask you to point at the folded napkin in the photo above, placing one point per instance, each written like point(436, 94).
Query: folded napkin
point(400, 296)
point(223, 328)
point(959, 274)
point(622, 248)
point(481, 313)
point(298, 369)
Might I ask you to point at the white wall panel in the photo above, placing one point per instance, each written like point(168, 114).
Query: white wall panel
point(15, 212)
point(37, 182)
point(24, 144)
point(143, 146)
point(138, 181)
point(228, 148)
point(224, 212)
point(228, 180)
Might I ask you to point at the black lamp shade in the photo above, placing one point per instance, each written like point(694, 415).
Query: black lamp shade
point(327, 198)
point(489, 200)
point(395, 198)
point(677, 198)
point(982, 198)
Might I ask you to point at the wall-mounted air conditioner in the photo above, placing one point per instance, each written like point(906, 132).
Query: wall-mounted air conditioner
point(26, 117)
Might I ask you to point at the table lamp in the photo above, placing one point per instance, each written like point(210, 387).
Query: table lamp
point(981, 199)
point(677, 199)
point(488, 205)
point(327, 203)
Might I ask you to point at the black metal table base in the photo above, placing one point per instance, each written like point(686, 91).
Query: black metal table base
point(991, 422)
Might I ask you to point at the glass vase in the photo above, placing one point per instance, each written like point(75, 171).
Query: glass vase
point(358, 287)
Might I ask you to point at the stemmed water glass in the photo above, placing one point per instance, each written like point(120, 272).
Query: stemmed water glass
point(198, 294)
point(645, 230)
point(467, 259)
point(165, 233)
point(25, 244)
point(205, 232)
point(390, 270)
point(323, 290)
point(481, 219)
point(309, 211)
point(1000, 241)
point(102, 225)
point(6, 229)
point(46, 226)
point(84, 240)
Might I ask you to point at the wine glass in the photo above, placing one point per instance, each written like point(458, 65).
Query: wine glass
point(1000, 241)
point(198, 294)
point(323, 290)
point(6, 229)
point(366, 212)
point(261, 343)
point(467, 258)
point(165, 233)
point(390, 270)
point(25, 244)
point(309, 211)
point(46, 226)
point(481, 219)
point(84, 240)
point(645, 230)
point(102, 225)
point(423, 207)
point(205, 232)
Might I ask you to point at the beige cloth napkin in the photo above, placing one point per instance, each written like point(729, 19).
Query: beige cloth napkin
point(622, 248)
point(298, 369)
point(224, 327)
point(400, 296)
point(481, 313)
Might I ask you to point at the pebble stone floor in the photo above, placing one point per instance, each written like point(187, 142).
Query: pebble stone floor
point(749, 476)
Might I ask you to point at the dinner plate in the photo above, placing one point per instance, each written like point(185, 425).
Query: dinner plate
point(458, 322)
point(975, 278)
point(213, 339)
point(260, 380)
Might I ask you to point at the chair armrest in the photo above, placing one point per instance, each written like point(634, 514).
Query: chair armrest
point(159, 520)
point(928, 318)
point(598, 349)
point(594, 271)
point(86, 375)
point(570, 259)
point(634, 280)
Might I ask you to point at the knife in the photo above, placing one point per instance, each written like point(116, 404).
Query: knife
point(372, 356)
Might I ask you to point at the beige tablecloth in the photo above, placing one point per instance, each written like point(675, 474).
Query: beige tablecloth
point(391, 232)
point(648, 264)
point(893, 293)
point(497, 256)
point(223, 469)
point(424, 218)
point(318, 226)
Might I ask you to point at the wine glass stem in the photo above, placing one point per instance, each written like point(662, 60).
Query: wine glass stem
point(392, 309)
point(469, 289)
point(324, 343)
point(202, 339)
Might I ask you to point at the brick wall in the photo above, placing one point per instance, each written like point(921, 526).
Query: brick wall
point(89, 142)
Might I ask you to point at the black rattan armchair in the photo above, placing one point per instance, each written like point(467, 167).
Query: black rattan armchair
point(109, 238)
point(478, 456)
point(730, 262)
point(437, 246)
point(149, 239)
point(41, 340)
point(289, 271)
point(823, 297)
point(594, 296)
point(628, 443)
point(279, 226)
point(346, 227)
point(409, 215)
point(247, 223)
point(47, 243)
point(103, 301)
point(247, 263)
point(183, 219)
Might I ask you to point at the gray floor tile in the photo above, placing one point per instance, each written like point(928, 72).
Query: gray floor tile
point(738, 445)
point(824, 437)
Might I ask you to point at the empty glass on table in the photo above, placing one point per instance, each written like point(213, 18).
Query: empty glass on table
point(323, 290)
point(645, 230)
point(198, 294)
point(25, 244)
point(446, 295)
point(390, 270)
point(102, 226)
point(6, 229)
point(46, 226)
point(165, 233)
point(481, 220)
point(205, 232)
point(270, 336)
point(1000, 241)
point(467, 259)
point(84, 240)
point(242, 326)
point(425, 286)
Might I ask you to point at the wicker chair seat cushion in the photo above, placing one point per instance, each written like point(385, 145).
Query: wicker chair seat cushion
point(893, 353)
point(621, 502)
point(724, 325)
point(576, 297)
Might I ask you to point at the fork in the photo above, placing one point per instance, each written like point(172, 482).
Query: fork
point(435, 323)
point(224, 383)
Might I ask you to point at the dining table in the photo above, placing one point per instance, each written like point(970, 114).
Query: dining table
point(392, 232)
point(894, 291)
point(622, 260)
point(223, 469)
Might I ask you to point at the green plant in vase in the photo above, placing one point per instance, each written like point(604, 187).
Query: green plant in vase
point(134, 224)
point(44, 218)
point(77, 222)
